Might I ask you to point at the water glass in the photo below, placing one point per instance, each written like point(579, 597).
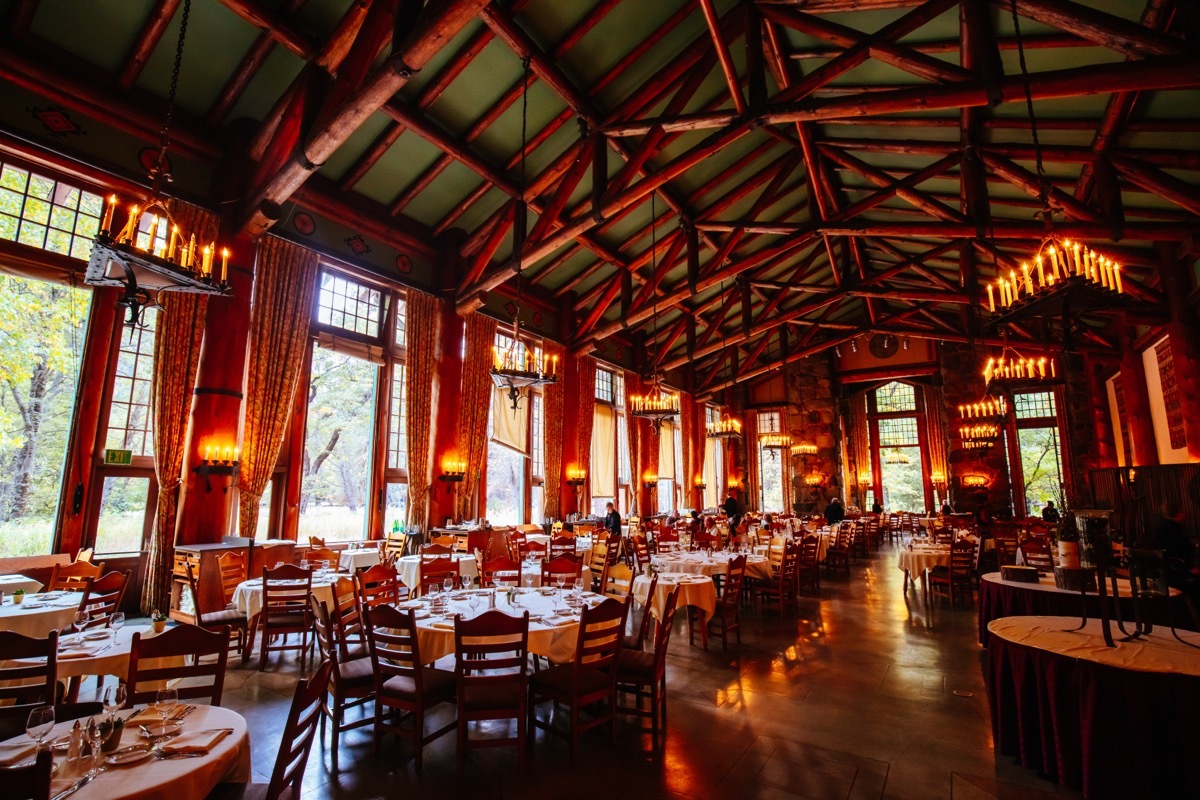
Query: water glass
point(97, 732)
point(165, 703)
point(113, 699)
point(473, 602)
point(80, 622)
point(448, 585)
point(115, 621)
point(39, 724)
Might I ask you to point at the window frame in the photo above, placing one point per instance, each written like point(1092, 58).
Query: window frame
point(874, 415)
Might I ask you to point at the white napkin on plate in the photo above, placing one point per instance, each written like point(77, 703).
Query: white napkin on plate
point(15, 751)
point(194, 742)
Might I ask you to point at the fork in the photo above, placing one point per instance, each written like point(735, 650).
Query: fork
point(164, 756)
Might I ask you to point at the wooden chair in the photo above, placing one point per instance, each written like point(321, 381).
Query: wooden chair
point(434, 550)
point(351, 682)
point(957, 578)
point(1006, 545)
point(616, 581)
point(590, 679)
point(189, 643)
point(808, 568)
point(404, 686)
point(527, 549)
point(597, 564)
point(942, 534)
point(102, 598)
point(394, 544)
point(230, 619)
point(316, 541)
point(346, 618)
point(490, 662)
point(858, 538)
point(1036, 553)
point(29, 683)
point(73, 577)
point(378, 585)
point(447, 540)
point(644, 675)
point(232, 567)
point(706, 539)
point(86, 554)
point(562, 546)
point(729, 606)
point(434, 572)
point(488, 569)
point(318, 554)
point(285, 611)
point(668, 541)
point(516, 543)
point(783, 586)
point(294, 747)
point(30, 781)
point(837, 554)
point(566, 567)
point(638, 640)
point(14, 717)
point(639, 553)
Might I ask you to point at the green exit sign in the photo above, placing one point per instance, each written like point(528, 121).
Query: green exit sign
point(118, 457)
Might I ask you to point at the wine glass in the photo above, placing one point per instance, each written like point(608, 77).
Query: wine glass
point(80, 622)
point(448, 586)
point(113, 699)
point(96, 733)
point(39, 724)
point(561, 580)
point(304, 563)
point(164, 704)
point(473, 602)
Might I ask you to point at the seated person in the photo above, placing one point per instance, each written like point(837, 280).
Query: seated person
point(1050, 513)
point(834, 512)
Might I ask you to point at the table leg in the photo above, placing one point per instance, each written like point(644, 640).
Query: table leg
point(703, 627)
point(908, 581)
point(924, 581)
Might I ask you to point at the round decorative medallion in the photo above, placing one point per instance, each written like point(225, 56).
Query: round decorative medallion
point(884, 345)
point(304, 223)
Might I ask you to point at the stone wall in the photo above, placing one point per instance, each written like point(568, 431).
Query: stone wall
point(962, 384)
point(812, 417)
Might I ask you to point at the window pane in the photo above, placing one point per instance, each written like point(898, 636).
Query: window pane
point(343, 303)
point(1041, 463)
point(619, 389)
point(129, 415)
point(623, 469)
point(1034, 405)
point(397, 506)
point(505, 485)
point(539, 452)
point(598, 505)
point(41, 338)
point(72, 214)
point(895, 397)
point(666, 495)
point(898, 432)
point(122, 515)
point(604, 385)
point(337, 447)
point(903, 485)
point(263, 531)
point(397, 431)
point(768, 422)
point(402, 322)
point(770, 470)
point(538, 504)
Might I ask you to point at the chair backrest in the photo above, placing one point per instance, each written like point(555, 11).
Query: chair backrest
point(662, 637)
point(787, 567)
point(503, 564)
point(188, 644)
point(395, 651)
point(86, 554)
point(562, 546)
point(316, 541)
point(617, 581)
point(103, 596)
point(639, 551)
point(1036, 553)
point(323, 625)
point(377, 585)
point(515, 541)
point(447, 540)
point(73, 577)
point(232, 566)
point(394, 543)
point(598, 558)
point(29, 781)
point(30, 683)
point(490, 658)
point(668, 541)
point(285, 591)
point(528, 548)
point(557, 528)
point(566, 567)
point(194, 588)
point(810, 548)
point(434, 572)
point(735, 579)
point(962, 557)
point(647, 615)
point(298, 734)
point(600, 629)
point(318, 554)
point(346, 617)
point(436, 549)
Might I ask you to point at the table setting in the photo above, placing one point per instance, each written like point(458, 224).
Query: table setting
point(715, 563)
point(408, 568)
point(39, 613)
point(353, 559)
point(695, 590)
point(247, 597)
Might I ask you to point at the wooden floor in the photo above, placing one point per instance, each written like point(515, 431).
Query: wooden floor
point(864, 694)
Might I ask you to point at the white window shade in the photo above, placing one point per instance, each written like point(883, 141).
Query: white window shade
point(604, 453)
point(509, 429)
point(711, 490)
point(666, 451)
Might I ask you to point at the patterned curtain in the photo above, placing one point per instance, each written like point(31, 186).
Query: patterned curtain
point(423, 321)
point(633, 426)
point(285, 278)
point(860, 440)
point(476, 407)
point(750, 478)
point(178, 333)
point(553, 410)
point(935, 431)
point(585, 405)
point(687, 430)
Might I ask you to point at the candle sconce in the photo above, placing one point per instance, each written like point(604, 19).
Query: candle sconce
point(228, 466)
point(650, 481)
point(576, 477)
point(975, 481)
point(454, 471)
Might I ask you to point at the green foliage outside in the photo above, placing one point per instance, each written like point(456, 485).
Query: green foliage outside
point(903, 484)
point(1042, 467)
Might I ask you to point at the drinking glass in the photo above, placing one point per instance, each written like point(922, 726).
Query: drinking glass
point(473, 602)
point(304, 563)
point(164, 704)
point(113, 699)
point(80, 622)
point(39, 724)
point(448, 585)
point(96, 734)
point(115, 621)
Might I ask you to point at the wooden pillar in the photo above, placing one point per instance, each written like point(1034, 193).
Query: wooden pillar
point(447, 384)
point(204, 515)
point(569, 502)
point(1184, 336)
point(1137, 401)
point(1102, 432)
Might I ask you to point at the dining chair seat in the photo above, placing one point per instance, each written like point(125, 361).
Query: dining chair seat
point(560, 682)
point(636, 664)
point(358, 671)
point(437, 686)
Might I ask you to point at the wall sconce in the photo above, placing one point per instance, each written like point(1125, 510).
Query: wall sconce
point(937, 479)
point(699, 483)
point(814, 479)
point(576, 476)
point(975, 481)
point(454, 470)
point(732, 483)
point(219, 461)
point(650, 480)
point(864, 479)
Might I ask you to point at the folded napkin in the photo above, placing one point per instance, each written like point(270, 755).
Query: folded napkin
point(78, 652)
point(558, 622)
point(194, 742)
point(15, 751)
point(148, 715)
point(443, 626)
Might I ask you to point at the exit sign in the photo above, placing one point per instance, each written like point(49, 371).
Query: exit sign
point(118, 457)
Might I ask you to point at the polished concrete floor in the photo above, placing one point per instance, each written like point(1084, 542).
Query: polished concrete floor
point(865, 693)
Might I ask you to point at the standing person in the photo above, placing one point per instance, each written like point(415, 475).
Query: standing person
point(834, 512)
point(612, 520)
point(732, 510)
point(1183, 570)
point(946, 509)
point(876, 508)
point(1050, 513)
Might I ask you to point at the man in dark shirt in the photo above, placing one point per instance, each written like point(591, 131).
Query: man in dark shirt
point(1050, 513)
point(612, 520)
point(730, 506)
point(835, 512)
point(1172, 537)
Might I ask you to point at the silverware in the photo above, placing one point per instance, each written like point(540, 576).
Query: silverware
point(79, 784)
point(164, 756)
point(186, 710)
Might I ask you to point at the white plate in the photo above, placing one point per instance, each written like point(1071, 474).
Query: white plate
point(95, 636)
point(128, 757)
point(158, 729)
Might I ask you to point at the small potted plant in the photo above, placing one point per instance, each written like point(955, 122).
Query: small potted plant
point(18, 596)
point(159, 620)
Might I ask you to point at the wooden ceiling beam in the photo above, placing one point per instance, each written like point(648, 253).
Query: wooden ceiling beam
point(1099, 27)
point(1045, 41)
point(1029, 183)
point(721, 46)
point(148, 39)
point(279, 29)
point(1166, 186)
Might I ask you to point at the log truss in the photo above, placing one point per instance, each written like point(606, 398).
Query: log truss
point(817, 177)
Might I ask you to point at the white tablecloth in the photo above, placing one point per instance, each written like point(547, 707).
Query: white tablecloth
point(359, 558)
point(172, 779)
point(409, 569)
point(36, 618)
point(556, 642)
point(247, 597)
point(1158, 652)
point(1046, 584)
point(757, 566)
point(695, 590)
point(10, 583)
point(919, 559)
point(101, 656)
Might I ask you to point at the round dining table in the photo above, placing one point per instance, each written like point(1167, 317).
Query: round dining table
point(11, 583)
point(408, 568)
point(919, 559)
point(40, 613)
point(698, 563)
point(353, 559)
point(1108, 721)
point(697, 591)
point(248, 596)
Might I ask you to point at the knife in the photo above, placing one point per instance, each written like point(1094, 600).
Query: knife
point(84, 781)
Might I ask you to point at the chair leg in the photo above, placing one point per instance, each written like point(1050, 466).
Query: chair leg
point(574, 730)
point(460, 757)
point(338, 711)
point(419, 740)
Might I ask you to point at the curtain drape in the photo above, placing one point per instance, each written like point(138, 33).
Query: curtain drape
point(476, 406)
point(424, 328)
point(554, 408)
point(178, 334)
point(860, 440)
point(935, 431)
point(687, 426)
point(750, 477)
point(285, 278)
point(633, 440)
point(585, 410)
point(666, 451)
point(712, 492)
point(604, 464)
point(509, 428)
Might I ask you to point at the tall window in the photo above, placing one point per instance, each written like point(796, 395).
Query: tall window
point(770, 465)
point(895, 423)
point(47, 214)
point(1039, 449)
point(508, 462)
point(41, 341)
point(713, 460)
point(537, 439)
point(607, 440)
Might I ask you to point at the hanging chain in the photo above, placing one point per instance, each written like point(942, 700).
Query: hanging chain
point(159, 172)
point(1043, 182)
point(519, 219)
point(653, 274)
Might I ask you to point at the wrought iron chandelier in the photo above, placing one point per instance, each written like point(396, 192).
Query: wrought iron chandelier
point(657, 404)
point(725, 428)
point(515, 367)
point(1012, 370)
point(897, 458)
point(149, 254)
